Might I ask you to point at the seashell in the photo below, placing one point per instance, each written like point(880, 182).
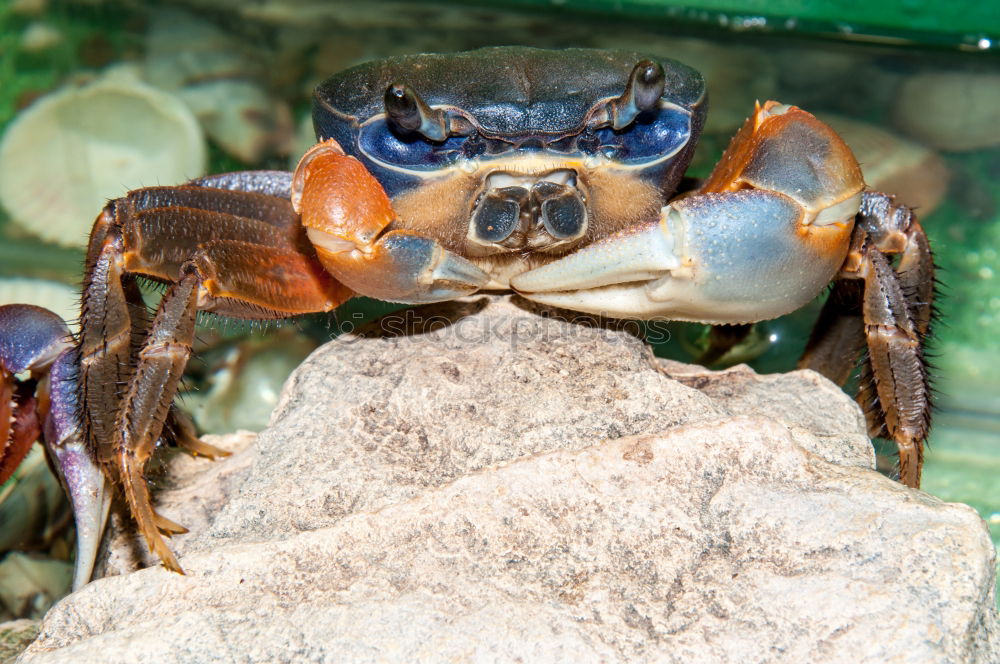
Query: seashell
point(57, 297)
point(183, 49)
point(75, 148)
point(29, 586)
point(916, 174)
point(39, 36)
point(952, 111)
point(242, 392)
point(216, 75)
point(241, 117)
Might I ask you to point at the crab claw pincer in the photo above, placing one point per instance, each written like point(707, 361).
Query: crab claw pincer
point(36, 342)
point(348, 218)
point(761, 238)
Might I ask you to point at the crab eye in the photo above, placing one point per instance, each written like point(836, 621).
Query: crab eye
point(380, 142)
point(651, 136)
point(642, 93)
point(408, 113)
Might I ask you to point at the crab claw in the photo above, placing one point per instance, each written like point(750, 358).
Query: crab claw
point(347, 216)
point(81, 475)
point(35, 340)
point(766, 233)
point(717, 258)
point(30, 339)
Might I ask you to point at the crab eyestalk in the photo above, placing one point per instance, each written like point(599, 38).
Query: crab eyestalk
point(643, 92)
point(409, 113)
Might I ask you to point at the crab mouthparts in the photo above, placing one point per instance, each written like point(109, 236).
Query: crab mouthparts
point(518, 212)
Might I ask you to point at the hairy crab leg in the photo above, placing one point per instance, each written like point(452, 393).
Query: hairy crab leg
point(838, 337)
point(721, 340)
point(889, 310)
point(145, 405)
point(764, 234)
point(226, 250)
point(348, 218)
point(180, 429)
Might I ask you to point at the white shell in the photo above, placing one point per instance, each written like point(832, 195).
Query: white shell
point(218, 77)
point(66, 155)
point(240, 117)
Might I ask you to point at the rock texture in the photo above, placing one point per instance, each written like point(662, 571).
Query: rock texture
point(503, 486)
point(15, 635)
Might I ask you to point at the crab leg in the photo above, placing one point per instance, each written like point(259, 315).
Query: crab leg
point(144, 407)
point(838, 336)
point(235, 252)
point(890, 310)
point(762, 236)
point(348, 218)
point(19, 426)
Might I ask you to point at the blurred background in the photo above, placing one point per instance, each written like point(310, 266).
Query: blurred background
point(97, 97)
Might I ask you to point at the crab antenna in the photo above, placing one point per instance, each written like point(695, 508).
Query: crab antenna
point(408, 112)
point(644, 89)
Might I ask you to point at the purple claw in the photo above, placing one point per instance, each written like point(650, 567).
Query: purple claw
point(30, 337)
point(37, 340)
point(79, 472)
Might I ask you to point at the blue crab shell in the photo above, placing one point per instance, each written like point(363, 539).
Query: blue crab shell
point(519, 99)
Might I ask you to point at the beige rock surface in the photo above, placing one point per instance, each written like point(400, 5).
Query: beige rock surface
point(14, 636)
point(508, 487)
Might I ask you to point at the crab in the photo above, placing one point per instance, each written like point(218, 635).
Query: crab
point(553, 173)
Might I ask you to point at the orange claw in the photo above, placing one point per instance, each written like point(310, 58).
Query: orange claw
point(785, 149)
point(342, 198)
point(763, 236)
point(788, 151)
point(346, 213)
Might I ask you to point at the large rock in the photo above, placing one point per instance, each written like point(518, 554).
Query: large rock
point(504, 486)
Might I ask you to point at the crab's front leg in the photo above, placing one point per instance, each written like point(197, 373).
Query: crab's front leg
point(350, 221)
point(232, 245)
point(762, 237)
point(228, 245)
